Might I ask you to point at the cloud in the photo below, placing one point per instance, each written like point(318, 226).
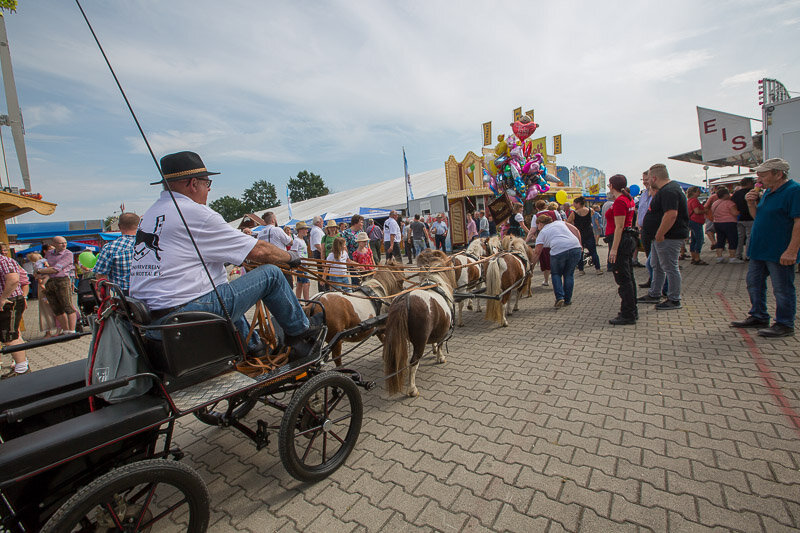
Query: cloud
point(751, 76)
point(46, 114)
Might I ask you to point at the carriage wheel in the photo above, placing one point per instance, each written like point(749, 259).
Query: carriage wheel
point(136, 497)
point(216, 413)
point(320, 426)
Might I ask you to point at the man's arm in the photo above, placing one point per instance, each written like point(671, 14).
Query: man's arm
point(12, 282)
point(667, 221)
point(789, 257)
point(752, 202)
point(265, 252)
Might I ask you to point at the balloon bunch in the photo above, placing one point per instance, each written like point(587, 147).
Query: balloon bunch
point(513, 168)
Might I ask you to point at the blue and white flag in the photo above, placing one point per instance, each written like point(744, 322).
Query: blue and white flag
point(289, 203)
point(408, 176)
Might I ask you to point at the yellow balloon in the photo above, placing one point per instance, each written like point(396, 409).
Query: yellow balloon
point(561, 197)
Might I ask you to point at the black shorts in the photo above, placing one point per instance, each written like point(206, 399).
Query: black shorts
point(10, 317)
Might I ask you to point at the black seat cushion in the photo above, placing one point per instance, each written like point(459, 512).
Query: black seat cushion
point(47, 382)
point(33, 452)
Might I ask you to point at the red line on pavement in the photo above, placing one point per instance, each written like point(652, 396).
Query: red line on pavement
point(764, 371)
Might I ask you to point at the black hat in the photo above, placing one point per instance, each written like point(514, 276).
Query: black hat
point(184, 165)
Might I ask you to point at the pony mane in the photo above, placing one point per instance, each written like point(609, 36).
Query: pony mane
point(477, 247)
point(515, 244)
point(494, 244)
point(391, 281)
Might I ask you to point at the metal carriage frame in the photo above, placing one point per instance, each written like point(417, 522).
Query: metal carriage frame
point(67, 465)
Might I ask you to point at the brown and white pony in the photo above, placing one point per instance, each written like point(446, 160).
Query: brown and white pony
point(421, 317)
point(502, 272)
point(512, 243)
point(345, 310)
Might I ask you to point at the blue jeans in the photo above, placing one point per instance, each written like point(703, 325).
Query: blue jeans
point(696, 244)
point(419, 245)
point(483, 234)
point(340, 279)
point(782, 287)
point(562, 271)
point(266, 283)
point(664, 260)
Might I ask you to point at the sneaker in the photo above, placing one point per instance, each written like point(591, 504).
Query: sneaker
point(638, 264)
point(751, 322)
point(583, 272)
point(620, 320)
point(600, 272)
point(669, 304)
point(545, 283)
point(13, 373)
point(721, 260)
point(567, 302)
point(701, 263)
point(647, 299)
point(735, 260)
point(559, 304)
point(777, 330)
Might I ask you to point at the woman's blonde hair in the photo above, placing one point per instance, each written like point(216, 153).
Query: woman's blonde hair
point(544, 219)
point(553, 206)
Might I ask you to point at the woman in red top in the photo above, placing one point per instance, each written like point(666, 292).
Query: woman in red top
point(697, 218)
point(622, 241)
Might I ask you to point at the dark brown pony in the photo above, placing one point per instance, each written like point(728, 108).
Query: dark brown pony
point(347, 310)
point(421, 317)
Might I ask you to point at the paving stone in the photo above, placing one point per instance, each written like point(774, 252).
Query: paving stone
point(712, 515)
point(511, 520)
point(654, 518)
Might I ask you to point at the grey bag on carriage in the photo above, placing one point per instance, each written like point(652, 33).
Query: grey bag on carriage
point(117, 356)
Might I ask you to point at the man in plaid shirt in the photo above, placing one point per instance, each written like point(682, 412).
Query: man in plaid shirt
point(13, 290)
point(114, 261)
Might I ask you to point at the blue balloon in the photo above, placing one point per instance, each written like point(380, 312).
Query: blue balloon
point(635, 190)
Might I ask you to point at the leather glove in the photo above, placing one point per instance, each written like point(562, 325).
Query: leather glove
point(294, 259)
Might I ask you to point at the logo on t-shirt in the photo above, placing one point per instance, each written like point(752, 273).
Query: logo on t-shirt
point(145, 242)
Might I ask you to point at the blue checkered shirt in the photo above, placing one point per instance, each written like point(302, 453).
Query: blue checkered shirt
point(115, 261)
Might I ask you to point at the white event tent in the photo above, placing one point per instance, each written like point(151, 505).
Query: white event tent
point(384, 194)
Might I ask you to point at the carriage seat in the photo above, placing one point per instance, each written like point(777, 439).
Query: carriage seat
point(46, 382)
point(58, 442)
point(187, 346)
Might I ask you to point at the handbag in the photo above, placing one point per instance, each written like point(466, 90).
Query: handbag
point(113, 353)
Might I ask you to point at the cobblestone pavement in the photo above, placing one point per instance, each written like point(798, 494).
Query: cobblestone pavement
point(557, 423)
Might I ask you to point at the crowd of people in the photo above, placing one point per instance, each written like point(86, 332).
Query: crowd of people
point(758, 221)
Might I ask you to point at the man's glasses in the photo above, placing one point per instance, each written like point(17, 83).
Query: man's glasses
point(208, 181)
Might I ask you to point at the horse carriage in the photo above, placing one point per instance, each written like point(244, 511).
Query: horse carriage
point(73, 461)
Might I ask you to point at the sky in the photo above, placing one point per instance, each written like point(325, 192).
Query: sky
point(263, 90)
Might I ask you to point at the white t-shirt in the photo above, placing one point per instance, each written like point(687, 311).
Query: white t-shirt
point(315, 237)
point(275, 236)
point(558, 238)
point(299, 246)
point(391, 228)
point(165, 271)
point(338, 269)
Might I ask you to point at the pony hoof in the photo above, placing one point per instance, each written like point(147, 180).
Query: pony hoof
point(505, 324)
point(441, 361)
point(413, 393)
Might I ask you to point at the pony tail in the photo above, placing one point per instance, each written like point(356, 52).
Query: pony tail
point(494, 309)
point(395, 345)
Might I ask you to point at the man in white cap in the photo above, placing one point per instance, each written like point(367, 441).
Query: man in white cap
point(773, 248)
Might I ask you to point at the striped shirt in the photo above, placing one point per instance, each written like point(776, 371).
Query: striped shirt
point(9, 266)
point(115, 260)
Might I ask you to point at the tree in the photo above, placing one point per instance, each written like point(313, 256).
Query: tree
point(260, 196)
point(229, 207)
point(110, 223)
point(306, 185)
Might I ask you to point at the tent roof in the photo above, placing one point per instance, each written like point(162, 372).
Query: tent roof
point(383, 194)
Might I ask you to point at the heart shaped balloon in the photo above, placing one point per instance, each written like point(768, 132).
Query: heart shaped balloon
point(523, 130)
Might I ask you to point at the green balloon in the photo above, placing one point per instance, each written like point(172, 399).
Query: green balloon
point(87, 259)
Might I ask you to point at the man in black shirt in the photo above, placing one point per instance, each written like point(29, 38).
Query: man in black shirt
point(667, 224)
point(745, 222)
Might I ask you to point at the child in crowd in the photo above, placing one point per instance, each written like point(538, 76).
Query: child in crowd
point(337, 270)
point(299, 245)
point(363, 255)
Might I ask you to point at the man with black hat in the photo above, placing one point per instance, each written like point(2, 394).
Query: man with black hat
point(168, 275)
point(773, 248)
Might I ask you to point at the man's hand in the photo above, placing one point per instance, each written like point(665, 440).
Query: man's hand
point(660, 237)
point(612, 257)
point(294, 259)
point(4, 302)
point(788, 257)
point(752, 196)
